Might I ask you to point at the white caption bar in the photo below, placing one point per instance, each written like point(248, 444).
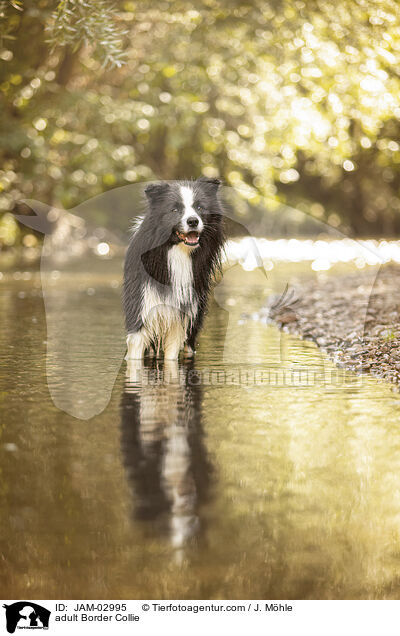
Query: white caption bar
point(142, 617)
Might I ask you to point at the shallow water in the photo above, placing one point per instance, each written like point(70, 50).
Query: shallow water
point(257, 471)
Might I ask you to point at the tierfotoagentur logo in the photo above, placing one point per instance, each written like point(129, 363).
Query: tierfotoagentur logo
point(26, 615)
point(276, 376)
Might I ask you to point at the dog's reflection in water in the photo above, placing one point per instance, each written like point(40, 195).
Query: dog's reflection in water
point(163, 446)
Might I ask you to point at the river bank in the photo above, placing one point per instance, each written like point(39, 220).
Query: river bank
point(354, 318)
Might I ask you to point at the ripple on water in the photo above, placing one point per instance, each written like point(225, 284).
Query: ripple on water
point(257, 471)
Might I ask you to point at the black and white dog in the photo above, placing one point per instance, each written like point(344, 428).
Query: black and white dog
point(171, 259)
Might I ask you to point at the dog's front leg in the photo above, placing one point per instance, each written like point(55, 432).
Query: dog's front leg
point(190, 344)
point(136, 343)
point(174, 341)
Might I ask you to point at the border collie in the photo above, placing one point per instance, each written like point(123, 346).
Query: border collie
point(171, 260)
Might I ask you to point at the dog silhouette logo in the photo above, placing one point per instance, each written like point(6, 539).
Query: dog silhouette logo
point(26, 615)
point(81, 385)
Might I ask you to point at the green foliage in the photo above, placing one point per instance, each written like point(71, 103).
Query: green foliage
point(7, 23)
point(90, 23)
point(389, 335)
point(289, 101)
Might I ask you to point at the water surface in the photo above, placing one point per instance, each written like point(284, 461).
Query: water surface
point(233, 476)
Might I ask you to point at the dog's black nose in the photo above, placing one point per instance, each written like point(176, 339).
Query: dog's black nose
point(192, 221)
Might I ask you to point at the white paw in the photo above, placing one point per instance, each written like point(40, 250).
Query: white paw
point(171, 355)
point(136, 345)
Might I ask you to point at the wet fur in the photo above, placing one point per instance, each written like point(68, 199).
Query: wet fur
point(166, 283)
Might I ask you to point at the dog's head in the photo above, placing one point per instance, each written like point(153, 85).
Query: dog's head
point(186, 210)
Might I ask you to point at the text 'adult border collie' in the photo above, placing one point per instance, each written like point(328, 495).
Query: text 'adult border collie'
point(172, 257)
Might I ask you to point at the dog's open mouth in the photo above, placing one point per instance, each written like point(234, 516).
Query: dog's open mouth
point(191, 238)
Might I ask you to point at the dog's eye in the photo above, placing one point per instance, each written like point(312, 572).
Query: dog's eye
point(174, 210)
point(199, 207)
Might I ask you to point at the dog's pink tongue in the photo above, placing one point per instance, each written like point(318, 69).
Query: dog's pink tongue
point(192, 237)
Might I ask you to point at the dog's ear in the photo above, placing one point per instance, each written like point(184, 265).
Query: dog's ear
point(209, 181)
point(156, 191)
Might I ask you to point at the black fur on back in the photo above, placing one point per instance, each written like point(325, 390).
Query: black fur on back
point(146, 260)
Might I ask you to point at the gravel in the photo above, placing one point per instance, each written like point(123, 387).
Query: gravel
point(355, 318)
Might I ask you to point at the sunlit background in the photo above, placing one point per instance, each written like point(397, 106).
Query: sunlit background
point(291, 103)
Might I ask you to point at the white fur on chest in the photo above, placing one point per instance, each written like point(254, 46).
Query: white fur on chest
point(159, 314)
point(180, 268)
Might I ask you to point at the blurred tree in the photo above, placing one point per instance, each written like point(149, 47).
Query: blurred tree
point(288, 101)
